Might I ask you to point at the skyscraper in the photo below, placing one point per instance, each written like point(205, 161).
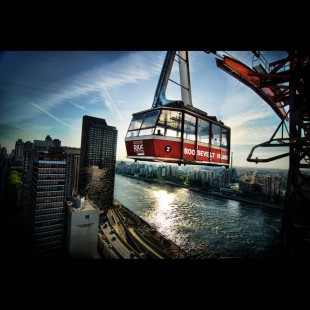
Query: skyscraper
point(98, 159)
point(47, 199)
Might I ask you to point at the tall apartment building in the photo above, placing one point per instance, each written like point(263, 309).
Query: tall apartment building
point(47, 200)
point(98, 160)
point(272, 186)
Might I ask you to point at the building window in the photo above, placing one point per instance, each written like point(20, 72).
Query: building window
point(86, 216)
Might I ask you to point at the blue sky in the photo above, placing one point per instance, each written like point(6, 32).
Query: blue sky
point(46, 92)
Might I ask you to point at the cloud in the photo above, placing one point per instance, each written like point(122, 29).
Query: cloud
point(78, 106)
point(51, 115)
point(92, 101)
point(54, 78)
point(109, 103)
point(129, 69)
point(21, 128)
point(250, 118)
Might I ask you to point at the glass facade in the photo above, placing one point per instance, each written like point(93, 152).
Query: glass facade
point(47, 199)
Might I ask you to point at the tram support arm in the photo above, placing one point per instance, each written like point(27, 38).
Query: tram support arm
point(282, 142)
point(265, 160)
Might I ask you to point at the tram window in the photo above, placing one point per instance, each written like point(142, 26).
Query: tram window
point(216, 135)
point(169, 123)
point(159, 131)
point(189, 127)
point(145, 132)
point(136, 122)
point(224, 138)
point(150, 119)
point(133, 133)
point(203, 131)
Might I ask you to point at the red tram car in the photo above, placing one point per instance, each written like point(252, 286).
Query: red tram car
point(177, 134)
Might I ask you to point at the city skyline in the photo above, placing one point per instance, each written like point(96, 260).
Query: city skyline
point(47, 93)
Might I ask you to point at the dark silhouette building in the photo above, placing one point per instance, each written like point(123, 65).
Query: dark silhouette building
point(19, 148)
point(97, 162)
point(30, 156)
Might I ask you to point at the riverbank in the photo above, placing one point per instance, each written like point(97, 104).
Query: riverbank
point(217, 194)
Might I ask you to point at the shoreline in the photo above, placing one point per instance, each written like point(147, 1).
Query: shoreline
point(220, 195)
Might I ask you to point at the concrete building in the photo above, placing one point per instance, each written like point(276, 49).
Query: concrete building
point(82, 222)
point(44, 145)
point(98, 160)
point(223, 177)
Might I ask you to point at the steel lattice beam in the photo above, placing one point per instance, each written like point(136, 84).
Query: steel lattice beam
point(295, 94)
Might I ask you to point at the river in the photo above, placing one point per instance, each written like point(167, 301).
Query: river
point(188, 218)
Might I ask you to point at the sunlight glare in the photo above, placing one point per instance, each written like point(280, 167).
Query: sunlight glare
point(163, 215)
point(163, 198)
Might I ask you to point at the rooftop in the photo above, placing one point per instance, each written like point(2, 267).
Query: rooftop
point(79, 204)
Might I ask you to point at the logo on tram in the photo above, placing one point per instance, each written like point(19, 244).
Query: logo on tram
point(138, 147)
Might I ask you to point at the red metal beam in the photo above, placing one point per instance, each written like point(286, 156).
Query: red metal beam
point(278, 64)
point(266, 75)
point(248, 77)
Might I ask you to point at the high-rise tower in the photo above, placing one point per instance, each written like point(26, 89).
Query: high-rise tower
point(98, 159)
point(47, 200)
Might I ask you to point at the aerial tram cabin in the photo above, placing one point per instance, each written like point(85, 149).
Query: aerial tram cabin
point(175, 131)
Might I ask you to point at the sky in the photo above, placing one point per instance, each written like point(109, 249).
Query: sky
point(48, 92)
